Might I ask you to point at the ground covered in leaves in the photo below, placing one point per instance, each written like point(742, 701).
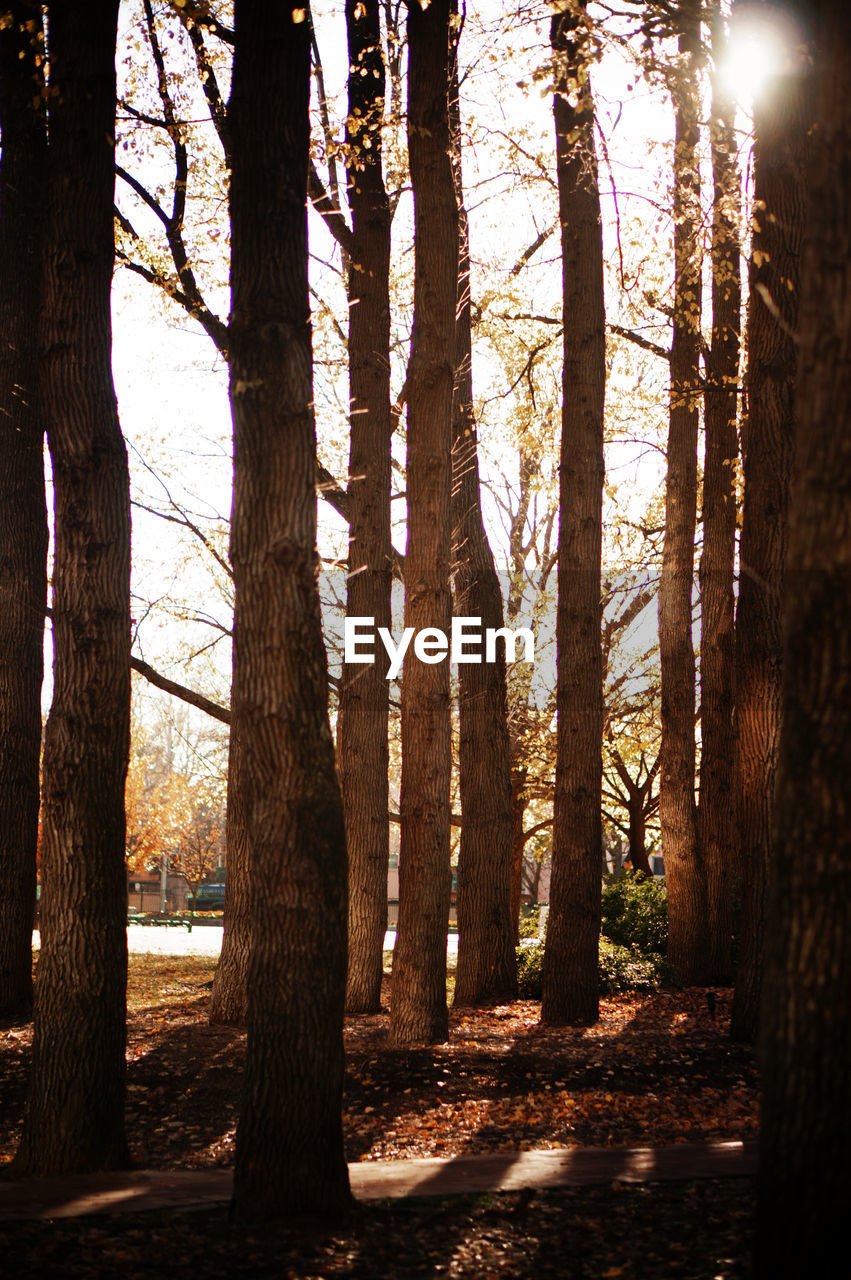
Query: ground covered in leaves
point(657, 1068)
point(692, 1231)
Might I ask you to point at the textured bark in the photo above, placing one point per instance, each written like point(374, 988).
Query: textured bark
point(687, 934)
point(519, 803)
point(570, 979)
point(228, 999)
point(23, 516)
point(486, 968)
point(782, 141)
point(289, 1150)
point(805, 1123)
point(716, 819)
point(75, 1109)
point(362, 748)
point(418, 1011)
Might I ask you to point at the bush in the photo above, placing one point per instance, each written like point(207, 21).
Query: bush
point(635, 914)
point(530, 921)
point(530, 964)
point(621, 969)
point(625, 969)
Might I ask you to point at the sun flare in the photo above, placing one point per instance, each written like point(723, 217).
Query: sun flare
point(764, 43)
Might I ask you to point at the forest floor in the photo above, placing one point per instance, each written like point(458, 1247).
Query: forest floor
point(656, 1069)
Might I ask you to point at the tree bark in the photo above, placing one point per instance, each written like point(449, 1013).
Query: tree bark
point(716, 823)
point(570, 977)
point(362, 746)
point(687, 935)
point(418, 1011)
point(75, 1110)
point(23, 514)
point(519, 803)
point(486, 968)
point(805, 1123)
point(228, 999)
point(289, 1151)
point(782, 141)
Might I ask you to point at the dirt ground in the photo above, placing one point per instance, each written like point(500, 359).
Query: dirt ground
point(656, 1069)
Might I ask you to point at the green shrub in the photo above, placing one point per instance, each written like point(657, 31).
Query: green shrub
point(635, 914)
point(625, 969)
point(530, 921)
point(530, 964)
point(621, 969)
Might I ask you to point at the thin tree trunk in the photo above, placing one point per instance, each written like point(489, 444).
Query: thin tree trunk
point(486, 968)
point(570, 979)
point(75, 1109)
point(782, 142)
point(716, 822)
point(805, 1121)
point(519, 804)
point(687, 935)
point(23, 515)
point(418, 1011)
point(638, 833)
point(228, 999)
point(289, 1150)
point(362, 746)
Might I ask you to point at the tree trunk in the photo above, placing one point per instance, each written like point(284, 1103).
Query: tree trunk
point(805, 1123)
point(782, 142)
point(75, 1109)
point(363, 753)
point(486, 968)
point(23, 515)
point(687, 936)
point(519, 803)
point(289, 1151)
point(228, 999)
point(716, 824)
point(418, 1011)
point(570, 979)
point(638, 833)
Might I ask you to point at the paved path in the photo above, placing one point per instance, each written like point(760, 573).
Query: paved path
point(46, 1198)
point(204, 940)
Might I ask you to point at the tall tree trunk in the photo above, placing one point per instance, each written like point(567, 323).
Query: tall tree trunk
point(418, 1011)
point(519, 804)
point(23, 515)
point(716, 822)
point(75, 1109)
point(782, 124)
point(487, 961)
point(805, 1123)
point(687, 935)
point(570, 981)
point(362, 747)
point(289, 1150)
point(228, 999)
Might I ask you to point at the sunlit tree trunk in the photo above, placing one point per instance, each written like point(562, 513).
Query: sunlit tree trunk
point(362, 748)
point(570, 979)
point(782, 126)
point(418, 1011)
point(716, 819)
point(75, 1109)
point(686, 884)
point(289, 1149)
point(23, 517)
point(487, 962)
point(805, 1121)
